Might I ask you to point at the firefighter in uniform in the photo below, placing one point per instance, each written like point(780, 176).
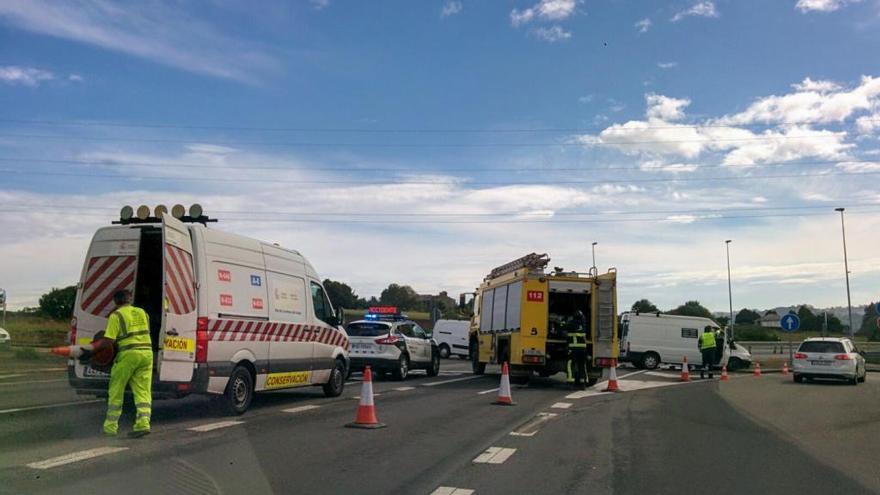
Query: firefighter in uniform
point(707, 349)
point(577, 351)
point(129, 327)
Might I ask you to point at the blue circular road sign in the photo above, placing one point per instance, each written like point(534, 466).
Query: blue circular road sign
point(790, 322)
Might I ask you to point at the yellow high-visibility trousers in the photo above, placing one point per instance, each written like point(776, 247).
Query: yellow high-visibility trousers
point(133, 368)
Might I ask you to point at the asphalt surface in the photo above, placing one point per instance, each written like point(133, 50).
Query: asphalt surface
point(747, 435)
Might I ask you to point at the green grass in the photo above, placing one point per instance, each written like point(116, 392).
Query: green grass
point(32, 330)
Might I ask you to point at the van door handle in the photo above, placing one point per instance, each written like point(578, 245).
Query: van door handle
point(172, 332)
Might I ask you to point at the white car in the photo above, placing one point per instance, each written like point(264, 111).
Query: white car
point(391, 343)
point(829, 358)
point(5, 339)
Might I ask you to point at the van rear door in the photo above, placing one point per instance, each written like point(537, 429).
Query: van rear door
point(177, 339)
point(604, 308)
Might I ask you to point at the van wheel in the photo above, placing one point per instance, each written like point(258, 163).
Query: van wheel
point(798, 378)
point(444, 351)
point(650, 361)
point(239, 391)
point(434, 369)
point(334, 386)
point(402, 370)
point(476, 366)
point(734, 364)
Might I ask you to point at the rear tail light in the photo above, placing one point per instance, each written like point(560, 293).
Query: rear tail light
point(800, 355)
point(202, 340)
point(843, 357)
point(73, 331)
point(389, 340)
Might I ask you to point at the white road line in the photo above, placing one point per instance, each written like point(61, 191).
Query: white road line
point(488, 391)
point(596, 389)
point(451, 381)
point(403, 389)
point(561, 405)
point(300, 408)
point(3, 377)
point(50, 406)
point(449, 490)
point(664, 375)
point(494, 455)
point(634, 373)
point(75, 457)
point(215, 426)
point(358, 397)
point(29, 382)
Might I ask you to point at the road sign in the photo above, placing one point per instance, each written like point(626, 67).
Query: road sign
point(790, 322)
point(877, 308)
point(2, 296)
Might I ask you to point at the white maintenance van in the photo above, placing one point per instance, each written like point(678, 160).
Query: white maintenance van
point(452, 337)
point(648, 340)
point(229, 315)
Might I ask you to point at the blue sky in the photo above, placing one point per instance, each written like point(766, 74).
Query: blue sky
point(425, 142)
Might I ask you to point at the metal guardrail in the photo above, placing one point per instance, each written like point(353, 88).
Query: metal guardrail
point(780, 347)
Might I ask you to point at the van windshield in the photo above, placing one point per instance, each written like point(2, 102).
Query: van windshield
point(367, 329)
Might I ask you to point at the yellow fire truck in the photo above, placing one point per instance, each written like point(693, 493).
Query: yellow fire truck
point(522, 315)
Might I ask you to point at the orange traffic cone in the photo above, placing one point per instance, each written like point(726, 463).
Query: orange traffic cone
point(757, 369)
point(685, 372)
point(612, 378)
point(504, 398)
point(785, 367)
point(724, 373)
point(366, 414)
point(71, 351)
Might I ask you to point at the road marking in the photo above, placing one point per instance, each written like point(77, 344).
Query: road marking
point(215, 426)
point(358, 397)
point(449, 490)
point(488, 391)
point(75, 457)
point(561, 405)
point(531, 428)
point(634, 373)
point(494, 455)
point(403, 389)
point(3, 377)
point(50, 406)
point(29, 382)
point(664, 375)
point(597, 389)
point(300, 408)
point(451, 381)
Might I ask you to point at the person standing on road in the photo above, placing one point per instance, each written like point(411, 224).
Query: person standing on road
point(129, 328)
point(719, 345)
point(577, 351)
point(706, 344)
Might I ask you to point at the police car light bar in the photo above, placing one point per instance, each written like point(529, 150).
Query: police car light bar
point(383, 310)
point(129, 215)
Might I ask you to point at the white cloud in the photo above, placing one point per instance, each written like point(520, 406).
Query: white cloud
point(451, 7)
point(867, 124)
point(821, 5)
point(643, 25)
point(25, 76)
point(552, 10)
point(665, 108)
point(75, 78)
point(701, 9)
point(586, 98)
point(160, 31)
point(817, 86)
point(320, 4)
point(662, 166)
point(551, 34)
point(667, 65)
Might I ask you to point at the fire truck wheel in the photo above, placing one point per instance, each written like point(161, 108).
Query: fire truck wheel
point(476, 366)
point(239, 391)
point(334, 386)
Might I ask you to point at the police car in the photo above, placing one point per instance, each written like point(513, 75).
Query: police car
point(388, 341)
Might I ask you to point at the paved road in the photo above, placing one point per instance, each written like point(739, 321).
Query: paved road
point(749, 435)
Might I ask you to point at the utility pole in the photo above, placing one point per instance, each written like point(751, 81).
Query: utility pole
point(3, 303)
point(729, 287)
point(594, 256)
point(852, 329)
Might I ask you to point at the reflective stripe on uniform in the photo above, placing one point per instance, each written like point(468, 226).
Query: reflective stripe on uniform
point(135, 346)
point(577, 340)
point(132, 334)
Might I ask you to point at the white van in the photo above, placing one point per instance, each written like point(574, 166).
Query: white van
point(452, 337)
point(229, 315)
point(650, 339)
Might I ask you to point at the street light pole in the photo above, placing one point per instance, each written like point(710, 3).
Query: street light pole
point(852, 329)
point(594, 255)
point(729, 287)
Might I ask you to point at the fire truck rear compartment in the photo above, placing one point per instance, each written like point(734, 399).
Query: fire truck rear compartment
point(148, 281)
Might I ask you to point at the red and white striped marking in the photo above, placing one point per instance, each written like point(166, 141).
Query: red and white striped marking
point(179, 280)
point(105, 276)
point(228, 330)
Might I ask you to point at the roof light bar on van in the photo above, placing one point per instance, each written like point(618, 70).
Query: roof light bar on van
point(128, 215)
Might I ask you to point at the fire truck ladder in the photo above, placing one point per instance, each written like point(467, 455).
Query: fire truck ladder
point(532, 261)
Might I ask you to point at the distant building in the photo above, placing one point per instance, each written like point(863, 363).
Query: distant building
point(441, 301)
point(770, 319)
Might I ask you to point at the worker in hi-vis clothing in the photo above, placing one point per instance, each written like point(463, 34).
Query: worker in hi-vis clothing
point(707, 349)
point(577, 352)
point(129, 327)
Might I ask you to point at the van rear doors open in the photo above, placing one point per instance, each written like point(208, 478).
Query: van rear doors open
point(180, 308)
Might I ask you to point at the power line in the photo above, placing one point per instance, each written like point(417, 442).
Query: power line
point(182, 165)
point(360, 130)
point(309, 144)
point(446, 182)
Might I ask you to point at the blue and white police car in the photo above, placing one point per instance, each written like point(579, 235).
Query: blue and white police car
point(388, 341)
